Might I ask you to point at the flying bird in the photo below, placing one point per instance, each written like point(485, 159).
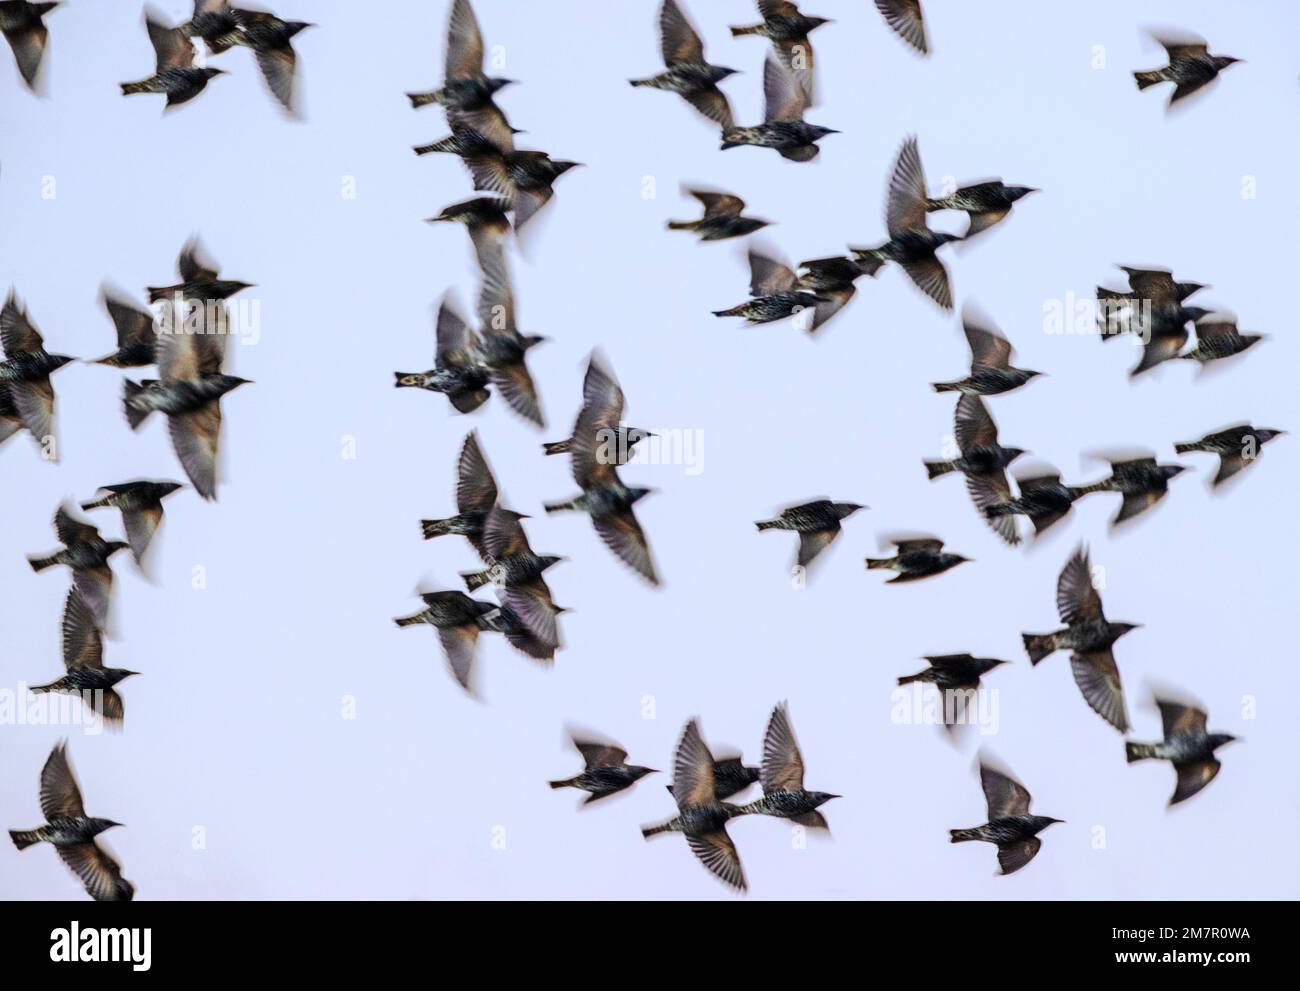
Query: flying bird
point(1236, 446)
point(200, 283)
point(1010, 826)
point(83, 657)
point(605, 771)
point(485, 219)
point(783, 127)
point(213, 21)
point(916, 558)
point(24, 28)
point(500, 347)
point(701, 815)
point(1190, 67)
point(1164, 335)
point(777, 292)
point(723, 217)
point(1043, 497)
point(72, 833)
point(986, 203)
point(788, 30)
point(457, 372)
point(1153, 286)
point(1187, 745)
point(614, 445)
point(271, 40)
point(517, 570)
point(476, 494)
point(906, 20)
point(87, 554)
point(458, 620)
point(784, 795)
point(731, 775)
point(140, 502)
point(1218, 339)
point(688, 74)
point(991, 371)
point(176, 75)
point(136, 335)
point(25, 376)
point(817, 523)
point(1089, 636)
point(1141, 481)
point(957, 678)
point(983, 461)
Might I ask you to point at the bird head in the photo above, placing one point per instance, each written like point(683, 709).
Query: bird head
point(559, 167)
point(1195, 312)
point(1122, 628)
point(942, 237)
point(229, 383)
point(637, 494)
point(1042, 822)
point(816, 131)
point(1223, 61)
point(59, 360)
point(544, 561)
point(531, 340)
point(816, 22)
point(293, 27)
point(984, 664)
point(118, 674)
point(635, 435)
point(1266, 434)
point(1011, 453)
point(1171, 471)
point(638, 773)
point(717, 73)
point(210, 71)
point(113, 546)
point(952, 560)
point(495, 83)
point(1216, 740)
point(820, 797)
point(167, 488)
point(1186, 289)
point(1019, 192)
point(99, 825)
point(845, 509)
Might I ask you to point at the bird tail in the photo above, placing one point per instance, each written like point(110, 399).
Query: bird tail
point(767, 525)
point(476, 579)
point(1038, 645)
point(112, 360)
point(641, 82)
point(405, 379)
point(1184, 448)
point(556, 447)
point(932, 205)
point(907, 679)
point(41, 563)
point(557, 507)
point(945, 386)
point(446, 144)
point(750, 29)
point(735, 311)
point(868, 260)
point(422, 99)
point(937, 468)
point(648, 831)
point(95, 503)
point(873, 563)
point(1139, 751)
point(1145, 79)
point(561, 784)
point(963, 835)
point(435, 528)
point(681, 225)
point(409, 620)
point(134, 416)
point(129, 89)
point(24, 838)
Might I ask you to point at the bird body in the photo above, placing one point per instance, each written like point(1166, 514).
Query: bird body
point(1236, 446)
point(141, 505)
point(1187, 745)
point(176, 74)
point(817, 523)
point(606, 770)
point(952, 672)
point(915, 559)
point(23, 25)
point(1010, 825)
point(781, 775)
point(1191, 66)
point(25, 389)
point(1045, 499)
point(1218, 339)
point(987, 203)
point(722, 217)
point(687, 73)
point(783, 127)
point(983, 461)
point(1141, 481)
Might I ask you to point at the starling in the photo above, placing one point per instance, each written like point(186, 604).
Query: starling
point(1010, 825)
point(25, 375)
point(1186, 745)
point(784, 795)
point(605, 498)
point(1151, 285)
point(987, 203)
point(701, 815)
point(905, 17)
point(215, 23)
point(87, 554)
point(476, 493)
point(73, 833)
point(136, 336)
point(688, 74)
point(991, 372)
point(466, 93)
point(518, 571)
point(24, 29)
point(271, 40)
point(1236, 447)
point(832, 280)
point(457, 373)
point(817, 523)
point(500, 347)
point(189, 391)
point(199, 280)
point(777, 292)
point(141, 504)
point(722, 217)
point(83, 656)
point(983, 461)
point(458, 620)
point(505, 622)
point(957, 677)
point(1190, 67)
point(1217, 339)
point(1089, 636)
point(916, 558)
point(1141, 481)
point(911, 242)
point(176, 74)
point(783, 127)
point(606, 771)
point(788, 31)
point(485, 219)
point(1166, 335)
point(614, 446)
point(731, 776)
point(1044, 498)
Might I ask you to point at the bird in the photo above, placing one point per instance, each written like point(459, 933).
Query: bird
point(1237, 446)
point(991, 372)
point(833, 281)
point(189, 390)
point(476, 494)
point(517, 570)
point(136, 333)
point(199, 284)
point(817, 523)
point(505, 622)
point(986, 203)
point(722, 217)
point(271, 40)
point(213, 21)
point(1187, 745)
point(777, 292)
point(907, 21)
point(25, 375)
point(614, 445)
point(783, 127)
point(788, 30)
point(459, 619)
point(485, 219)
point(1141, 481)
point(687, 72)
point(466, 93)
point(605, 497)
point(731, 775)
point(140, 502)
point(701, 815)
point(916, 558)
point(1190, 67)
point(457, 372)
point(83, 657)
point(1154, 286)
point(605, 772)
point(500, 347)
point(176, 75)
point(1043, 497)
point(1218, 339)
point(781, 775)
point(1089, 636)
point(911, 242)
point(72, 833)
point(1010, 826)
point(957, 678)
point(1164, 335)
point(87, 554)
point(24, 28)
point(983, 461)
point(10, 421)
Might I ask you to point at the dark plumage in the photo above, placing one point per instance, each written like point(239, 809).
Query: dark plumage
point(1010, 826)
point(722, 217)
point(1236, 446)
point(136, 335)
point(24, 28)
point(485, 219)
point(987, 203)
point(1187, 745)
point(605, 771)
point(500, 347)
point(783, 127)
point(784, 795)
point(991, 372)
point(200, 283)
point(214, 22)
point(788, 30)
point(87, 554)
point(1218, 339)
point(1044, 498)
point(817, 523)
point(176, 75)
point(907, 21)
point(983, 461)
point(916, 558)
point(1165, 334)
point(823, 289)
point(140, 502)
point(1190, 67)
point(687, 72)
point(72, 833)
point(957, 677)
point(1141, 481)
point(731, 775)
point(476, 494)
point(614, 445)
point(1089, 636)
point(457, 372)
point(458, 620)
point(26, 394)
point(83, 658)
point(517, 570)
point(271, 40)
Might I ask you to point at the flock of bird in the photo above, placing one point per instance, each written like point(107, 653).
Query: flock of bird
point(186, 333)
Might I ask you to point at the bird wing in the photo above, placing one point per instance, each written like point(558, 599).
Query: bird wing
point(1077, 599)
point(489, 121)
point(796, 56)
point(133, 325)
point(1160, 348)
point(987, 346)
point(812, 543)
point(171, 45)
point(503, 535)
point(782, 767)
point(99, 873)
point(83, 645)
point(193, 263)
point(1192, 777)
point(34, 403)
point(532, 603)
point(1186, 45)
point(496, 298)
point(716, 852)
point(623, 535)
point(905, 205)
point(1098, 679)
point(984, 219)
point(784, 98)
point(72, 530)
point(1155, 284)
point(678, 40)
point(458, 643)
point(195, 436)
point(28, 44)
point(463, 58)
point(718, 204)
point(178, 356)
point(279, 68)
point(973, 425)
point(904, 16)
point(1013, 856)
point(95, 587)
point(476, 489)
point(60, 795)
point(1136, 503)
point(141, 525)
point(919, 545)
point(769, 9)
point(1229, 465)
point(713, 104)
point(596, 754)
point(528, 201)
point(520, 391)
point(768, 275)
point(17, 332)
point(827, 307)
point(693, 769)
point(990, 490)
point(602, 394)
point(1005, 795)
point(1180, 718)
point(931, 278)
point(602, 410)
point(452, 336)
point(1215, 328)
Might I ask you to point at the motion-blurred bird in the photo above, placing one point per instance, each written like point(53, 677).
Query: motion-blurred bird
point(517, 570)
point(722, 217)
point(83, 657)
point(87, 554)
point(1044, 498)
point(458, 620)
point(505, 622)
point(906, 20)
point(1165, 335)
point(1141, 481)
point(1236, 446)
point(214, 22)
point(1190, 67)
point(1155, 286)
point(10, 421)
point(991, 372)
point(783, 127)
point(688, 74)
point(987, 203)
point(615, 445)
point(1010, 826)
point(983, 461)
point(176, 75)
point(916, 558)
point(271, 40)
point(788, 30)
point(781, 775)
point(457, 372)
point(817, 523)
point(777, 292)
point(25, 375)
point(24, 28)
point(605, 772)
point(136, 336)
point(142, 511)
point(731, 775)
point(1218, 339)
point(72, 833)
point(476, 494)
point(1187, 745)
point(957, 677)
point(911, 242)
point(701, 816)
point(1089, 636)
point(500, 347)
point(199, 281)
point(485, 219)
